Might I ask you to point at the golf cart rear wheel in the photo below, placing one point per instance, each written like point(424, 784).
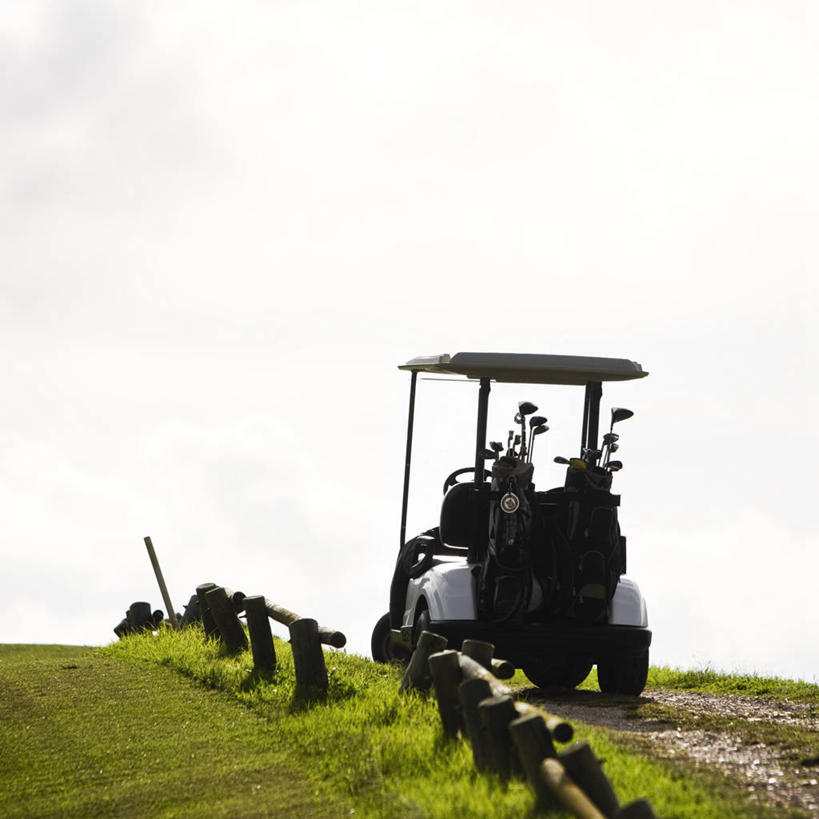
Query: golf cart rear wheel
point(422, 621)
point(623, 675)
point(383, 650)
point(569, 675)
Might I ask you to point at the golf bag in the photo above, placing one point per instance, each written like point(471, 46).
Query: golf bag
point(505, 579)
point(590, 548)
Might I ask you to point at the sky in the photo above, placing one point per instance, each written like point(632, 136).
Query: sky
point(223, 227)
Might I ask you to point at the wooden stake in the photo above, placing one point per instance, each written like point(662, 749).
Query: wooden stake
point(470, 693)
point(496, 713)
point(584, 768)
point(417, 676)
point(446, 677)
point(261, 638)
point(566, 792)
point(229, 625)
point(308, 658)
point(534, 743)
point(328, 636)
point(161, 580)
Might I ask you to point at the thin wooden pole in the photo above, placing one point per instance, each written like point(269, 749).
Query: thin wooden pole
point(161, 580)
point(328, 636)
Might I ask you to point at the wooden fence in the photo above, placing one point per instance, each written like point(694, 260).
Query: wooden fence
point(509, 737)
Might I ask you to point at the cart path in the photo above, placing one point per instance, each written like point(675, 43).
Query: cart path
point(764, 770)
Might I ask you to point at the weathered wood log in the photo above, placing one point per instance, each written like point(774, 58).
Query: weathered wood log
point(483, 653)
point(561, 730)
point(308, 658)
point(328, 636)
point(638, 809)
point(566, 792)
point(480, 651)
point(446, 677)
point(470, 693)
point(502, 669)
point(584, 768)
point(417, 675)
point(534, 743)
point(208, 623)
point(261, 638)
point(496, 713)
point(161, 581)
point(229, 625)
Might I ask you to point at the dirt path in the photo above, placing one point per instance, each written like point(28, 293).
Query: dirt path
point(773, 774)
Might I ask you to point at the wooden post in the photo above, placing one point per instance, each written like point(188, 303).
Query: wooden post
point(308, 658)
point(417, 675)
point(261, 638)
point(584, 768)
point(208, 623)
point(328, 636)
point(161, 580)
point(470, 693)
point(638, 809)
point(229, 625)
point(192, 612)
point(496, 713)
point(139, 616)
point(534, 743)
point(480, 651)
point(566, 792)
point(446, 677)
point(561, 730)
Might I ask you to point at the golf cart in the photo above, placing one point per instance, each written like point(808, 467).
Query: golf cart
point(540, 574)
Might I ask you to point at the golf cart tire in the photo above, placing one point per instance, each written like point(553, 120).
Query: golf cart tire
point(567, 676)
point(381, 645)
point(422, 623)
point(623, 675)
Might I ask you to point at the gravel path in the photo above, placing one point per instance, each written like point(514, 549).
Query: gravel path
point(760, 768)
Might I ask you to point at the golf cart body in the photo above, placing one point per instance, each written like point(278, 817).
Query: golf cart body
point(540, 574)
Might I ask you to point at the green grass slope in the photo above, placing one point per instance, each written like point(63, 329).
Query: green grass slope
point(165, 725)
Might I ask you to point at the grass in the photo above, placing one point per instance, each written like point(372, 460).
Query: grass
point(385, 752)
point(119, 731)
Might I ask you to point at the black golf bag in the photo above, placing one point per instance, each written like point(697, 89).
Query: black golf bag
point(591, 552)
point(505, 580)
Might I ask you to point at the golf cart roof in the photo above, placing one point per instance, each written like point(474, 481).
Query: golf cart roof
point(529, 368)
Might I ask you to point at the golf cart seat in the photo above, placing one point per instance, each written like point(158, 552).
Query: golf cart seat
point(465, 518)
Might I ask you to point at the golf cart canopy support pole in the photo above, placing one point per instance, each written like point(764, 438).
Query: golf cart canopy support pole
point(591, 415)
point(480, 442)
point(408, 458)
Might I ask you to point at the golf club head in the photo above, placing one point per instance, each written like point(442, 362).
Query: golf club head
point(610, 437)
point(538, 430)
point(518, 418)
point(526, 408)
point(517, 440)
point(614, 448)
point(559, 459)
point(620, 414)
point(489, 454)
point(614, 466)
point(537, 420)
point(497, 446)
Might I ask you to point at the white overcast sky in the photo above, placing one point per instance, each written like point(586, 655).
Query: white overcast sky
point(222, 226)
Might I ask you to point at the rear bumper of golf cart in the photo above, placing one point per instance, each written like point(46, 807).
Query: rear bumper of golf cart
point(522, 643)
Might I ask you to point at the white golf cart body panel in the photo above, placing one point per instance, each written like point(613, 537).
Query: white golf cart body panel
point(448, 590)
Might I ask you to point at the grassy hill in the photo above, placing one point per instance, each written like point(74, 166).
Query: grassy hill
point(164, 725)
